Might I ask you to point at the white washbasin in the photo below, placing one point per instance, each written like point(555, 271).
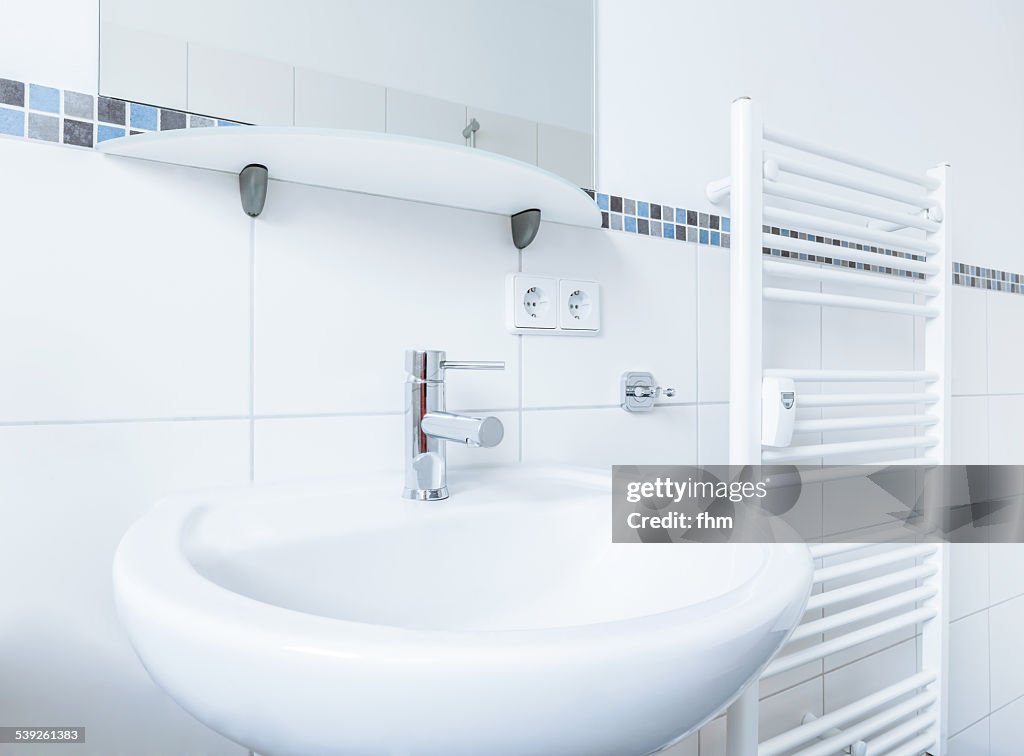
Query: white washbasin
point(339, 618)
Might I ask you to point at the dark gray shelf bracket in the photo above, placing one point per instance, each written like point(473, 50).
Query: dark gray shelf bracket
point(524, 227)
point(252, 187)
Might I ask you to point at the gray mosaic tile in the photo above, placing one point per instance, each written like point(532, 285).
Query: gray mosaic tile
point(78, 105)
point(171, 120)
point(43, 127)
point(78, 133)
point(110, 110)
point(200, 122)
point(12, 92)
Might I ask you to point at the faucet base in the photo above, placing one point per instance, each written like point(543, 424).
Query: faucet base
point(425, 494)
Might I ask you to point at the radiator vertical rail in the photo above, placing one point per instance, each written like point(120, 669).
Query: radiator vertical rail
point(745, 364)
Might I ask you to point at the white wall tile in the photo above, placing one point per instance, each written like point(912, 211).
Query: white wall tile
point(328, 101)
point(1005, 357)
point(1006, 430)
point(141, 66)
point(425, 117)
point(505, 134)
point(968, 578)
point(643, 327)
point(325, 447)
point(611, 436)
point(870, 674)
point(969, 341)
point(70, 492)
point(792, 332)
point(345, 283)
point(1007, 672)
point(712, 325)
point(970, 742)
point(968, 671)
point(134, 304)
point(713, 434)
point(568, 153)
point(55, 43)
point(240, 87)
point(968, 430)
point(1006, 579)
point(1006, 730)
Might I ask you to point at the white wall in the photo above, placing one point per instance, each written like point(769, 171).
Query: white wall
point(912, 83)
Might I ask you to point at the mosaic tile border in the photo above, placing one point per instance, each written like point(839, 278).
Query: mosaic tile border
point(76, 119)
point(62, 116)
point(975, 277)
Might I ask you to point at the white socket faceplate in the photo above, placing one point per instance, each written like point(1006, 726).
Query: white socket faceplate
point(552, 306)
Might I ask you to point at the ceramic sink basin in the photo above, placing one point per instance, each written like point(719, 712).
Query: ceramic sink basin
point(339, 618)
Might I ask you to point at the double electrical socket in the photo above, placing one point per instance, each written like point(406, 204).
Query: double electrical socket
point(552, 306)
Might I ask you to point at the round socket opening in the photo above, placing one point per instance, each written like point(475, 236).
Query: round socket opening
point(579, 304)
point(535, 302)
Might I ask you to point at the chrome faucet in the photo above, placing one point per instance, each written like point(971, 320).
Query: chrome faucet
point(428, 425)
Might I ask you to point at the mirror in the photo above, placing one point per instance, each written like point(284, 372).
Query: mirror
point(510, 76)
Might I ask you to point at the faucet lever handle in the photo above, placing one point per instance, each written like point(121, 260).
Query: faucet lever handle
point(473, 365)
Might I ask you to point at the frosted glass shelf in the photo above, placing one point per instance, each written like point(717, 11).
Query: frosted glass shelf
point(388, 165)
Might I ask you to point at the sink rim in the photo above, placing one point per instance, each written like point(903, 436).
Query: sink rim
point(152, 569)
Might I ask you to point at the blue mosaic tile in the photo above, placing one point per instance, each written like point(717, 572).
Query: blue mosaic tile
point(669, 231)
point(143, 117)
point(12, 122)
point(726, 223)
point(46, 99)
point(703, 236)
point(716, 239)
point(680, 216)
point(629, 224)
point(222, 122)
point(643, 209)
point(602, 202)
point(104, 132)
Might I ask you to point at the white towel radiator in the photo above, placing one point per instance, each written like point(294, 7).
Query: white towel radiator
point(899, 222)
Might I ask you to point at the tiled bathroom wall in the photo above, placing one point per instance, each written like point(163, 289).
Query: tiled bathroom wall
point(161, 340)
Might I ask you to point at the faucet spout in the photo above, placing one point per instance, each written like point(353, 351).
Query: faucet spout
point(428, 425)
point(472, 431)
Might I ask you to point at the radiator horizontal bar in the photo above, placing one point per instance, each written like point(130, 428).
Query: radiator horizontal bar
point(832, 202)
point(815, 728)
point(869, 726)
point(915, 747)
point(866, 611)
point(809, 247)
point(916, 461)
point(862, 423)
point(836, 178)
point(840, 156)
point(849, 276)
point(864, 400)
point(850, 231)
point(891, 556)
point(885, 742)
point(793, 453)
point(852, 376)
point(856, 303)
point(847, 640)
point(867, 587)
